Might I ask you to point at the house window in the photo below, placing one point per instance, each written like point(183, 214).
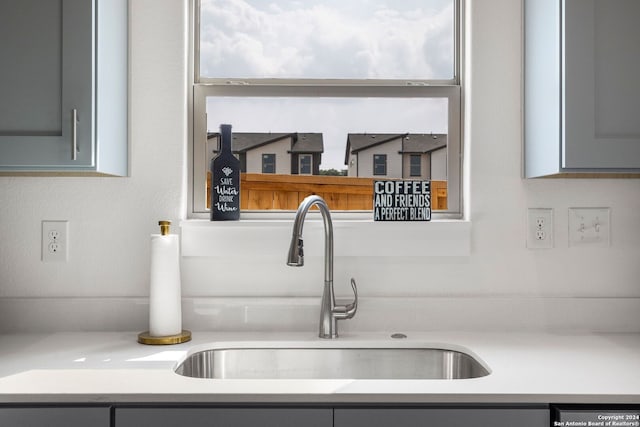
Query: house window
point(415, 165)
point(268, 163)
point(380, 164)
point(305, 166)
point(363, 75)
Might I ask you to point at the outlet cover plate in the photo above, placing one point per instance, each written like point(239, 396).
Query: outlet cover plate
point(55, 241)
point(540, 228)
point(590, 227)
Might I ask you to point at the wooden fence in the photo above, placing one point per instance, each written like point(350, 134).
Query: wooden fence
point(270, 191)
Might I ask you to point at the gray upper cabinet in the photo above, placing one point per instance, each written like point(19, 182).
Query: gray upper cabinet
point(63, 86)
point(582, 99)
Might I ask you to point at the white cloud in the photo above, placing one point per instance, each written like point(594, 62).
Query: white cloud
point(329, 39)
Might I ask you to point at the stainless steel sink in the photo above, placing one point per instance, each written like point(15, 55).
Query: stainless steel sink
point(331, 363)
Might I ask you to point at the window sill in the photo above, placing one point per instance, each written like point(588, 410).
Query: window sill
point(262, 237)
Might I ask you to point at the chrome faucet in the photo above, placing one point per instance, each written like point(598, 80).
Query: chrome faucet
point(330, 312)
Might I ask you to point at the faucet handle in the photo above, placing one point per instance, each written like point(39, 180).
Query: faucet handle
point(349, 310)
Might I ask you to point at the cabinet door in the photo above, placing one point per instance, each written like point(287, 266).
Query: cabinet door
point(601, 105)
point(46, 48)
point(54, 417)
point(449, 417)
point(224, 417)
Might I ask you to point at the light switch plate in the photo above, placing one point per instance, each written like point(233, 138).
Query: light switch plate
point(589, 227)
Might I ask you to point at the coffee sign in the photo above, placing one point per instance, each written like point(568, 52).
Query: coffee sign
point(402, 200)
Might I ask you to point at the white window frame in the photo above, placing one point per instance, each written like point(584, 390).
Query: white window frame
point(269, 156)
point(335, 88)
point(305, 156)
point(379, 157)
point(411, 165)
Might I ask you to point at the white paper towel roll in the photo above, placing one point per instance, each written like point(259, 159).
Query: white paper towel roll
point(165, 313)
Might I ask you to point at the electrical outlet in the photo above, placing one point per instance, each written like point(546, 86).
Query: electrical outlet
point(55, 241)
point(539, 228)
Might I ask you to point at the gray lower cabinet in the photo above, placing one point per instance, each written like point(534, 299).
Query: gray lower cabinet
point(581, 97)
point(330, 417)
point(63, 86)
point(202, 416)
point(223, 417)
point(441, 417)
point(55, 417)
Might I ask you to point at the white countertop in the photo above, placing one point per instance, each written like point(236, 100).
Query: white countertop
point(526, 368)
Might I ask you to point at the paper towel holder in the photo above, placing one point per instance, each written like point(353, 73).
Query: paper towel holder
point(164, 227)
point(146, 337)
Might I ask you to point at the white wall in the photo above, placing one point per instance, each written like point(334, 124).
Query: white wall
point(353, 165)
point(438, 163)
point(394, 160)
point(111, 218)
point(280, 148)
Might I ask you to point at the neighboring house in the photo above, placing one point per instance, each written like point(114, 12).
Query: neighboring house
point(408, 156)
point(278, 153)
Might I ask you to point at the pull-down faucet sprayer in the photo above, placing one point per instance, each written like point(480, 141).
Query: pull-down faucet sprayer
point(330, 313)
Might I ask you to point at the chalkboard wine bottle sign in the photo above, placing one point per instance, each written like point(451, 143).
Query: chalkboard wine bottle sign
point(225, 180)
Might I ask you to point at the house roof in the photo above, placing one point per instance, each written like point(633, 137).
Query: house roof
point(411, 142)
point(308, 143)
point(301, 142)
point(424, 143)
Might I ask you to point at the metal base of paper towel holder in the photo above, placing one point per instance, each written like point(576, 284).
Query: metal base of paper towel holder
point(146, 338)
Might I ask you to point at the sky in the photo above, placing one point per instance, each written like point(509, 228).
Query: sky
point(360, 39)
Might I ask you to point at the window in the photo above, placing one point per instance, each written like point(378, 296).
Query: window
point(380, 164)
point(268, 163)
point(352, 77)
point(304, 164)
point(415, 165)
